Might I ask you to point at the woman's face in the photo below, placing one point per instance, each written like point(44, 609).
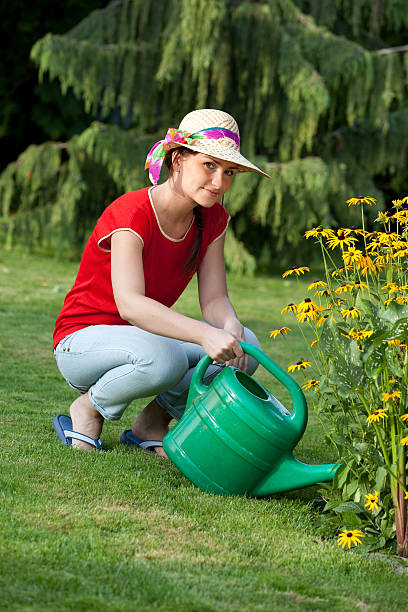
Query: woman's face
point(202, 178)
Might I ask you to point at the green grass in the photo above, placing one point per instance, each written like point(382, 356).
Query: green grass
point(124, 530)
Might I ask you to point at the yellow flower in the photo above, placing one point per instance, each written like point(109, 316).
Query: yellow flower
point(352, 256)
point(322, 293)
point(387, 238)
point(289, 308)
point(318, 231)
point(343, 288)
point(340, 270)
point(391, 287)
point(399, 244)
point(401, 253)
point(306, 304)
point(380, 260)
point(300, 365)
point(310, 314)
point(406, 495)
point(361, 200)
point(311, 383)
point(282, 330)
point(388, 302)
point(316, 284)
point(404, 441)
point(360, 285)
point(359, 335)
point(367, 265)
point(353, 230)
point(347, 537)
point(395, 342)
point(373, 246)
point(377, 415)
point(296, 270)
point(397, 203)
point(351, 334)
point(372, 501)
point(322, 320)
point(404, 417)
point(386, 397)
point(400, 216)
point(363, 333)
point(381, 217)
point(314, 343)
point(341, 240)
point(352, 312)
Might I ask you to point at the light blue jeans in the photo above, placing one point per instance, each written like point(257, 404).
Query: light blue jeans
point(117, 364)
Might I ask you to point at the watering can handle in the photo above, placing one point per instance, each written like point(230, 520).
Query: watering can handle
point(299, 414)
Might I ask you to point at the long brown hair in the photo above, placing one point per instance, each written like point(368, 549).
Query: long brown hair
point(191, 263)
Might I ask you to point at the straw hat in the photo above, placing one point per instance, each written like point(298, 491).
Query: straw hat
point(208, 131)
point(226, 149)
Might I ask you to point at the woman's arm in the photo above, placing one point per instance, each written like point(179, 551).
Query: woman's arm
point(213, 294)
point(129, 292)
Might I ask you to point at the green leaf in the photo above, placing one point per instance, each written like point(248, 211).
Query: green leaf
point(346, 371)
point(346, 374)
point(372, 542)
point(341, 476)
point(373, 359)
point(352, 487)
point(380, 478)
point(394, 364)
point(330, 505)
point(348, 506)
point(400, 329)
point(394, 312)
point(361, 447)
point(351, 519)
point(369, 309)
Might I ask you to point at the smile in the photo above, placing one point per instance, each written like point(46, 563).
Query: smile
point(215, 194)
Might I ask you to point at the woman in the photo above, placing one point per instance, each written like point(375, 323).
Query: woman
point(116, 338)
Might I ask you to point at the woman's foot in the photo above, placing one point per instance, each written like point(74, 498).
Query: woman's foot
point(152, 424)
point(85, 420)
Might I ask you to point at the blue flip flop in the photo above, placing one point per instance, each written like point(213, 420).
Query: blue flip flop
point(129, 438)
point(63, 426)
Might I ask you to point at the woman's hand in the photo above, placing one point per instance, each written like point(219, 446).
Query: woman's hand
point(237, 330)
point(221, 345)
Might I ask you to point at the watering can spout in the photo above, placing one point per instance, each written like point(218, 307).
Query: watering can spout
point(293, 474)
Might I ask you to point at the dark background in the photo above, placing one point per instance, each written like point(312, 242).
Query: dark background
point(33, 112)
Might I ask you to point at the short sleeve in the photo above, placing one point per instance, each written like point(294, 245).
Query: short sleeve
point(126, 213)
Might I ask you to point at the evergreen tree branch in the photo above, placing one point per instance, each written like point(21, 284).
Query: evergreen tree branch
point(399, 49)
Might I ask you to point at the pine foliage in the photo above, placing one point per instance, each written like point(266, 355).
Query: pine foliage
point(317, 89)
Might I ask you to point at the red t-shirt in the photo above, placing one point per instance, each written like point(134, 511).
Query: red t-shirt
point(91, 301)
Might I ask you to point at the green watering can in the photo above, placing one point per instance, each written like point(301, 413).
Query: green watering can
point(235, 438)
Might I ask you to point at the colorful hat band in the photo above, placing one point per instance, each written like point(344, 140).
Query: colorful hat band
point(156, 155)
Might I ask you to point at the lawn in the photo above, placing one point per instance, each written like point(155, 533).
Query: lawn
point(124, 530)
